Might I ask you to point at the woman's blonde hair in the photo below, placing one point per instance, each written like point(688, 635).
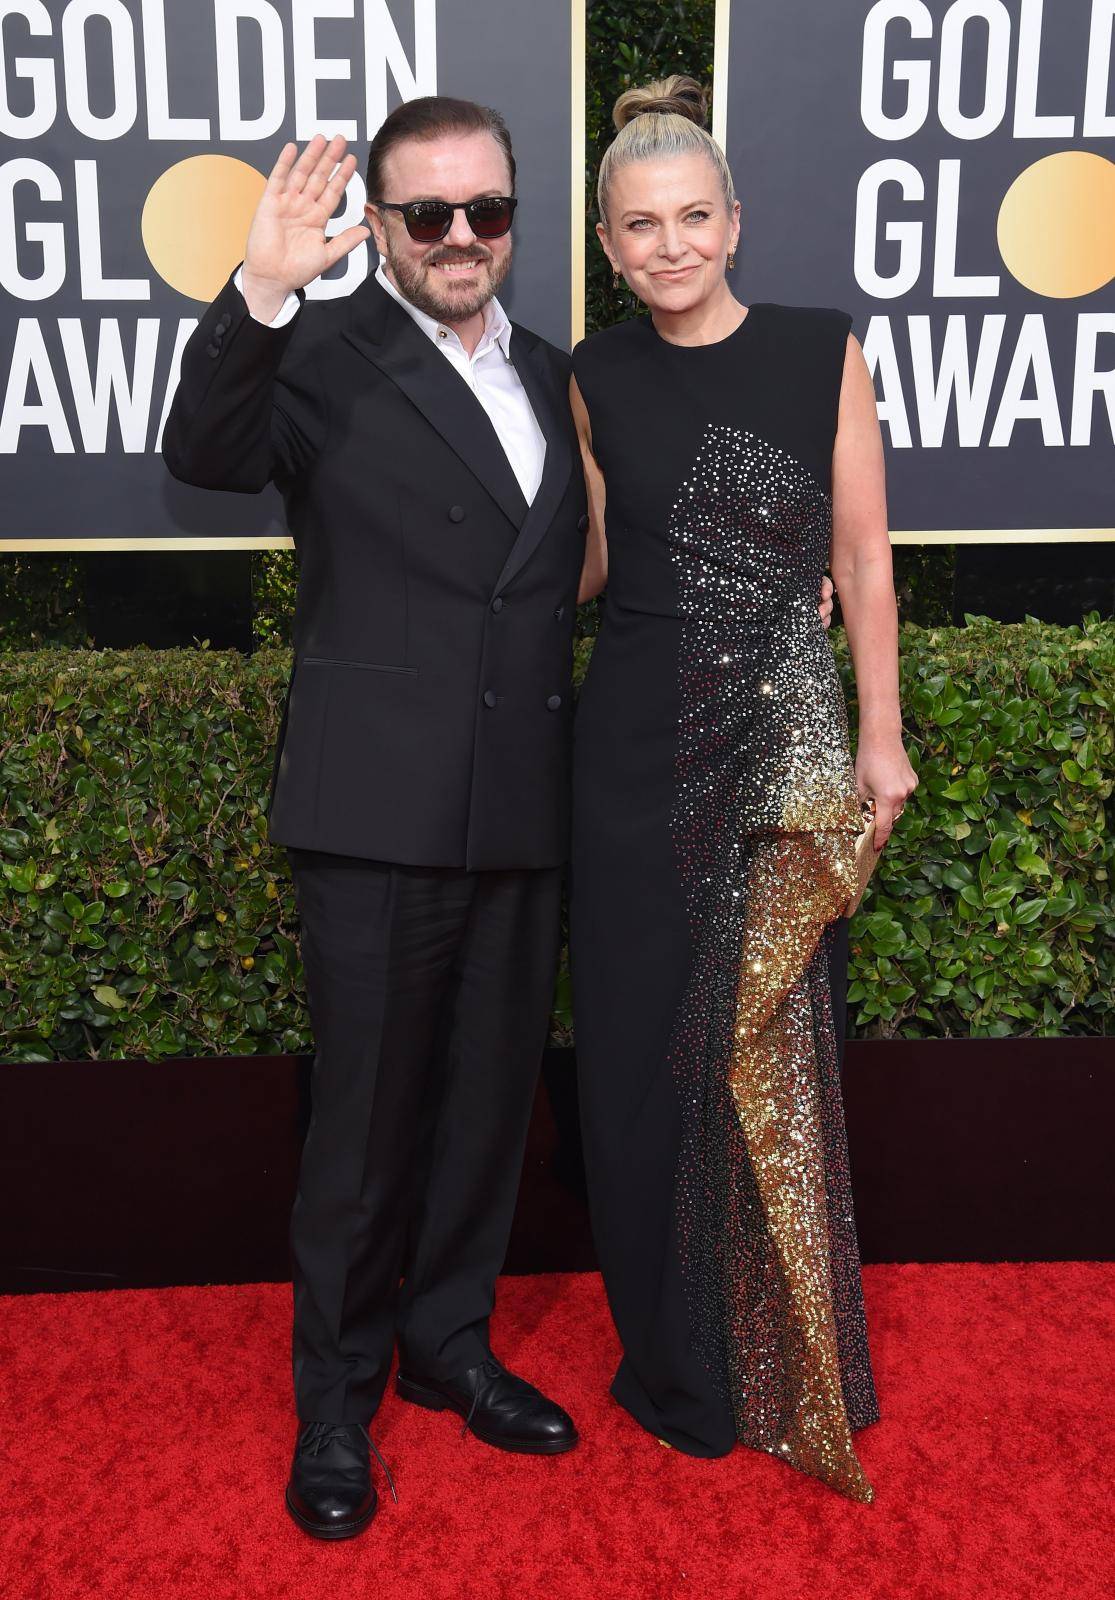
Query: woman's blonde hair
point(659, 120)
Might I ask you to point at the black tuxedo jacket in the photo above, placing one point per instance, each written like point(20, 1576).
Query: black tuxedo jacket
point(428, 715)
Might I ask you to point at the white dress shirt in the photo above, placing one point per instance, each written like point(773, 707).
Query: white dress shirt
point(488, 371)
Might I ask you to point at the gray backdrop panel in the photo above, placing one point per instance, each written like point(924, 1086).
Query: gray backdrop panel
point(515, 56)
point(797, 146)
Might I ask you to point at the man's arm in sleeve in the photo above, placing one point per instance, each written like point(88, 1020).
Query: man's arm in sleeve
point(234, 422)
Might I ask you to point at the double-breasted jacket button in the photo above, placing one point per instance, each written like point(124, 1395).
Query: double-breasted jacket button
point(582, 521)
point(559, 613)
point(212, 348)
point(490, 698)
point(554, 703)
point(497, 605)
point(456, 513)
point(224, 324)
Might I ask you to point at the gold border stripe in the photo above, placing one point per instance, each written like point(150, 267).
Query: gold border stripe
point(720, 73)
point(262, 541)
point(578, 45)
point(1004, 536)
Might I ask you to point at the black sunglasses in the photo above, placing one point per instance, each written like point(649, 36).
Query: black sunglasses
point(429, 220)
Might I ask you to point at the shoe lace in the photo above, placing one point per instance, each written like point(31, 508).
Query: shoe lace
point(323, 1433)
point(490, 1368)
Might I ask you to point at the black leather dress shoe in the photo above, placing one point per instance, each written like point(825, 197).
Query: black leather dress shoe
point(498, 1408)
point(330, 1493)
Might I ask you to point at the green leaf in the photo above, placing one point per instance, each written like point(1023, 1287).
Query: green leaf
point(1029, 910)
point(22, 878)
point(1029, 861)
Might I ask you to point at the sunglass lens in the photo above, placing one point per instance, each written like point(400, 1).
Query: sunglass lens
point(427, 220)
point(490, 217)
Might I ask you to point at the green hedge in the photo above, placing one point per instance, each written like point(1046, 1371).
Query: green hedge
point(144, 913)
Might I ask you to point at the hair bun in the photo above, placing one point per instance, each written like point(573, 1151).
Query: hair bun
point(678, 95)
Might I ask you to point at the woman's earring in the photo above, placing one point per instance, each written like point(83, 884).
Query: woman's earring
point(731, 259)
point(615, 278)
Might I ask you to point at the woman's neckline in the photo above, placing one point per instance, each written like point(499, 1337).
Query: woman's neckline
point(710, 344)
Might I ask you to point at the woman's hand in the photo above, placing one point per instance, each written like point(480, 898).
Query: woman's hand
point(826, 601)
point(884, 774)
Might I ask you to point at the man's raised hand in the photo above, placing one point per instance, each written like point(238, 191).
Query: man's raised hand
point(287, 246)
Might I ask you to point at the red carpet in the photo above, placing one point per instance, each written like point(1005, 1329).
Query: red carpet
point(146, 1437)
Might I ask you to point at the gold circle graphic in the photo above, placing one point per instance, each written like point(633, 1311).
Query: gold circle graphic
point(1056, 226)
point(195, 222)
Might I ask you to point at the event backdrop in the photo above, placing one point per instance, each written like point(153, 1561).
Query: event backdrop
point(137, 136)
point(943, 171)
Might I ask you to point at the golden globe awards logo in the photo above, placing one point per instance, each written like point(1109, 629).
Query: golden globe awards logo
point(90, 90)
point(966, 79)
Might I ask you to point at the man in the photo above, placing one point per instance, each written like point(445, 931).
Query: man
point(426, 455)
point(425, 452)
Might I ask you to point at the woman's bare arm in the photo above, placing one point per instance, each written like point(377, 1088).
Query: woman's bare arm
point(594, 573)
point(863, 572)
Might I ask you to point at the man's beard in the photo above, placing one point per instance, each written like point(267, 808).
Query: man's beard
point(435, 295)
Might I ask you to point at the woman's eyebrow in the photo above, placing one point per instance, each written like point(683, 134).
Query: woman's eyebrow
point(647, 211)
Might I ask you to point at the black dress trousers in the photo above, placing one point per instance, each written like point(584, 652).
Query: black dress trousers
point(429, 992)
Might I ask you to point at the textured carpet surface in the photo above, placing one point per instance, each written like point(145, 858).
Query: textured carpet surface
point(146, 1437)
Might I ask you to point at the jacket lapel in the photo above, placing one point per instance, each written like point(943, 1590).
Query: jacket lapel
point(381, 330)
point(551, 408)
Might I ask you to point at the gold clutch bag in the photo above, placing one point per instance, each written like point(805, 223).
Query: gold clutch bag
point(867, 856)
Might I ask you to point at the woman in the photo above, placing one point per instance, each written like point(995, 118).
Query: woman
point(731, 451)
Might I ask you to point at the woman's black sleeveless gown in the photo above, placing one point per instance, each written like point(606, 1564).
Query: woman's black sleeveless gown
point(715, 814)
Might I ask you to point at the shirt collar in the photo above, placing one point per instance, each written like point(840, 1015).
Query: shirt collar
point(497, 324)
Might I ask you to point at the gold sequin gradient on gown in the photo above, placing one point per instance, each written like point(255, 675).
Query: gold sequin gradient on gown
point(764, 828)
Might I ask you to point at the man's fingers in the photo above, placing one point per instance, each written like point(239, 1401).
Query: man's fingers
point(279, 172)
point(306, 163)
point(342, 244)
point(328, 185)
point(323, 167)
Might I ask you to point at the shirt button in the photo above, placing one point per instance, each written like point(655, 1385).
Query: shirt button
point(441, 333)
point(554, 703)
point(497, 605)
point(456, 513)
point(490, 698)
point(582, 521)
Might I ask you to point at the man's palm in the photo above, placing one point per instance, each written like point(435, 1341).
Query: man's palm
point(286, 244)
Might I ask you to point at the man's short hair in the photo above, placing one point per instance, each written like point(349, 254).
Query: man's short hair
point(433, 116)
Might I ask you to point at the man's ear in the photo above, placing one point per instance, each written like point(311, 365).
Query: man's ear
point(374, 220)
